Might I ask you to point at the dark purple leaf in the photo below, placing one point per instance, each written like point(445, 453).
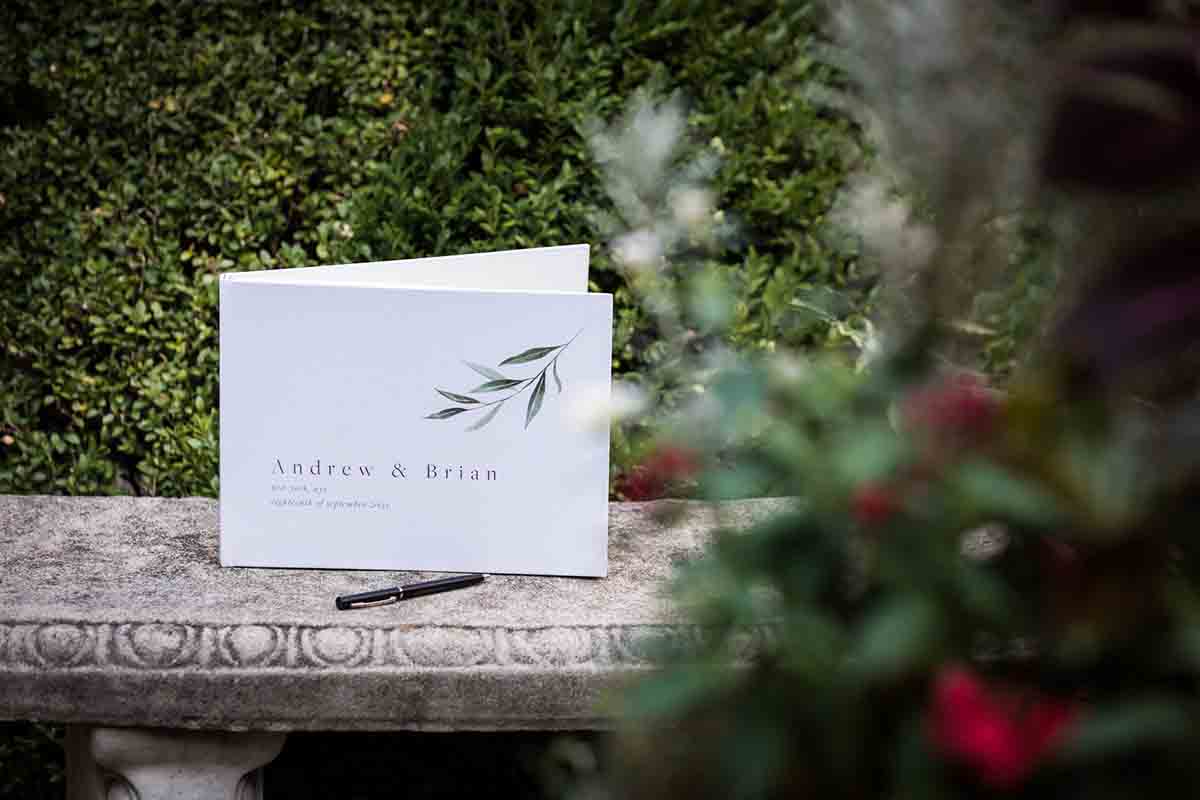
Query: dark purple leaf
point(1127, 116)
point(1141, 316)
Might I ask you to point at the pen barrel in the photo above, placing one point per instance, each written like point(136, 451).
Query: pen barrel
point(440, 585)
point(348, 601)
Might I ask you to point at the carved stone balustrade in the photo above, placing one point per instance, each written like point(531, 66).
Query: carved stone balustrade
point(115, 617)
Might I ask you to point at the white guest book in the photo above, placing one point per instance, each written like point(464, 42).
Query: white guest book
point(416, 415)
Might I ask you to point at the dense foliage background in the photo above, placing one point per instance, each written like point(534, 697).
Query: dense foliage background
point(146, 146)
point(149, 146)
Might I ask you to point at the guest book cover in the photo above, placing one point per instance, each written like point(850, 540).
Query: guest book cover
point(416, 415)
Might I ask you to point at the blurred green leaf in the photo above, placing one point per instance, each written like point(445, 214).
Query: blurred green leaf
point(676, 693)
point(899, 636)
point(1105, 731)
point(711, 301)
point(992, 491)
point(866, 453)
point(918, 770)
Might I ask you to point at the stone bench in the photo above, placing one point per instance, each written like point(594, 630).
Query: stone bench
point(179, 677)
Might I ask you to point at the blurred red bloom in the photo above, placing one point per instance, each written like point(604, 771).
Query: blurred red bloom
point(874, 504)
point(649, 480)
point(1001, 736)
point(638, 485)
point(672, 463)
point(960, 407)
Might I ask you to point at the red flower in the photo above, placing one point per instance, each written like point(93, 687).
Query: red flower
point(672, 463)
point(649, 479)
point(996, 734)
point(959, 408)
point(874, 504)
point(639, 485)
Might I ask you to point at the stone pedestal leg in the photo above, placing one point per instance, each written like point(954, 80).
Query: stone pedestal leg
point(165, 764)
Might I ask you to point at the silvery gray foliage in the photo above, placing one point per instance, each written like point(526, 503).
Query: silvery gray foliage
point(937, 82)
point(951, 97)
point(664, 219)
point(647, 172)
point(659, 194)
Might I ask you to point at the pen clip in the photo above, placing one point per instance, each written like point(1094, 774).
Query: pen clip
point(387, 601)
point(379, 597)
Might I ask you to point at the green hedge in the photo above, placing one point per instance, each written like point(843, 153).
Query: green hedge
point(148, 146)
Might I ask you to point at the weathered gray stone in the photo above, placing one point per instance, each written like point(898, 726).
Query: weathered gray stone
point(114, 611)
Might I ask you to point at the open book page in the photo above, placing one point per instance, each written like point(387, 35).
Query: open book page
point(420, 414)
point(543, 269)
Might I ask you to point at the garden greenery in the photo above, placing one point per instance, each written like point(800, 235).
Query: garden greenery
point(150, 146)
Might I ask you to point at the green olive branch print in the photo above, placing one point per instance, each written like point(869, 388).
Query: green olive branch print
point(499, 382)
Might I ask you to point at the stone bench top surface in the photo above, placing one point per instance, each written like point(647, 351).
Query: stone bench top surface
point(115, 610)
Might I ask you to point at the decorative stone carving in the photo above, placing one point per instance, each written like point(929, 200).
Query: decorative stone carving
point(136, 624)
point(60, 645)
point(251, 645)
point(158, 647)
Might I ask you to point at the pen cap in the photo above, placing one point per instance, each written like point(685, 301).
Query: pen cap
point(348, 601)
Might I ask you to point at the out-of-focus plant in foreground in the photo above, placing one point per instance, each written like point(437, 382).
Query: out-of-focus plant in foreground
point(975, 587)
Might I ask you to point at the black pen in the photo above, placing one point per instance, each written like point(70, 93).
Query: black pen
point(395, 594)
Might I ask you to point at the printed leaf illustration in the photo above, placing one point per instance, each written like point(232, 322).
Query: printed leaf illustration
point(497, 385)
point(532, 354)
point(534, 384)
point(457, 398)
point(486, 372)
point(486, 418)
point(446, 413)
point(535, 399)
